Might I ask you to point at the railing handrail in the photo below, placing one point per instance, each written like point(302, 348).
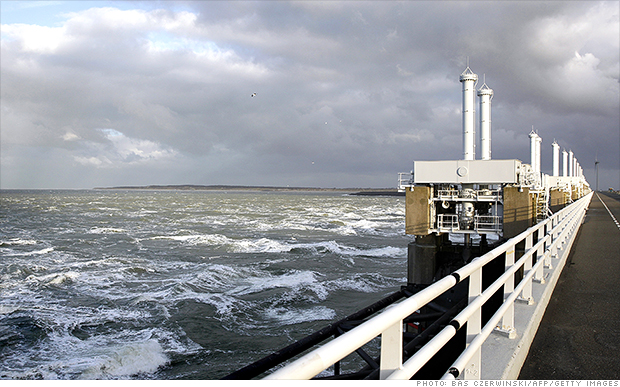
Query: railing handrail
point(390, 320)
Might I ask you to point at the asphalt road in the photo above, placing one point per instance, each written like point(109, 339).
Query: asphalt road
point(579, 336)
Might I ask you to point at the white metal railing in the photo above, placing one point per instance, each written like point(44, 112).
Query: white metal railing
point(553, 234)
point(482, 194)
point(482, 223)
point(487, 223)
point(405, 179)
point(448, 194)
point(448, 222)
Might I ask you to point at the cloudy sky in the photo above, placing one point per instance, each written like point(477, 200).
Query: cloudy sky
point(348, 94)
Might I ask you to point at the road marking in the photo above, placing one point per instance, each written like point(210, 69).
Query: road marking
point(610, 214)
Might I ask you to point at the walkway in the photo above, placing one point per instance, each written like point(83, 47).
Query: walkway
point(579, 336)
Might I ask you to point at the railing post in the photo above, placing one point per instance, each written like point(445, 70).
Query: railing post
point(560, 245)
point(554, 236)
point(526, 294)
point(547, 245)
point(540, 254)
point(474, 326)
point(508, 320)
point(391, 350)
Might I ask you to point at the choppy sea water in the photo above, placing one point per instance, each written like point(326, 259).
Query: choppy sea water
point(183, 284)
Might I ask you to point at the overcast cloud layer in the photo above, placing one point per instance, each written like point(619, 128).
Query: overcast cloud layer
point(348, 94)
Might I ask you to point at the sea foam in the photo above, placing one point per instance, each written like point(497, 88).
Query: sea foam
point(127, 360)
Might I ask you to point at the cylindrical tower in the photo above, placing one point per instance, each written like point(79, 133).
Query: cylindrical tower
point(533, 150)
point(571, 163)
point(564, 163)
point(486, 95)
point(556, 158)
point(468, 79)
point(576, 168)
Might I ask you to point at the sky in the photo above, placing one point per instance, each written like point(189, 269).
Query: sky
point(304, 94)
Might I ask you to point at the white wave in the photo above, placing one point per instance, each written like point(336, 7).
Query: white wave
point(211, 285)
point(217, 277)
point(291, 280)
point(106, 230)
point(127, 360)
point(208, 239)
point(389, 251)
point(297, 315)
point(347, 224)
point(108, 209)
point(365, 283)
point(266, 245)
point(8, 309)
point(28, 253)
point(365, 224)
point(262, 245)
point(68, 277)
point(116, 354)
point(40, 252)
point(348, 251)
point(357, 284)
point(18, 242)
point(361, 226)
point(225, 305)
point(323, 247)
point(55, 278)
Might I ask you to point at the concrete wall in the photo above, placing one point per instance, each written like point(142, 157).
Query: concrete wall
point(557, 200)
point(518, 211)
point(417, 210)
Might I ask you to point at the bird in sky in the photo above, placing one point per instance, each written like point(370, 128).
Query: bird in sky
point(253, 95)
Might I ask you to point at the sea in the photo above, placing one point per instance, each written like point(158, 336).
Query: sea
point(169, 285)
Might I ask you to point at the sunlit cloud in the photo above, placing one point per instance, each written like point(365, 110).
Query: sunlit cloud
point(121, 150)
point(33, 38)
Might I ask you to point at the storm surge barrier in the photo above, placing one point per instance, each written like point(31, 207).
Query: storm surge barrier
point(533, 262)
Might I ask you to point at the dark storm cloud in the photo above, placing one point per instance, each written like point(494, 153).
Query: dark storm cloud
point(347, 93)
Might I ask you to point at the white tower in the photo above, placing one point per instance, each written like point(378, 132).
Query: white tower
point(571, 163)
point(469, 79)
point(576, 168)
point(486, 95)
point(564, 163)
point(534, 153)
point(556, 158)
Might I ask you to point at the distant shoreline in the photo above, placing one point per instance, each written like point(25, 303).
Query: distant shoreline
point(190, 187)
